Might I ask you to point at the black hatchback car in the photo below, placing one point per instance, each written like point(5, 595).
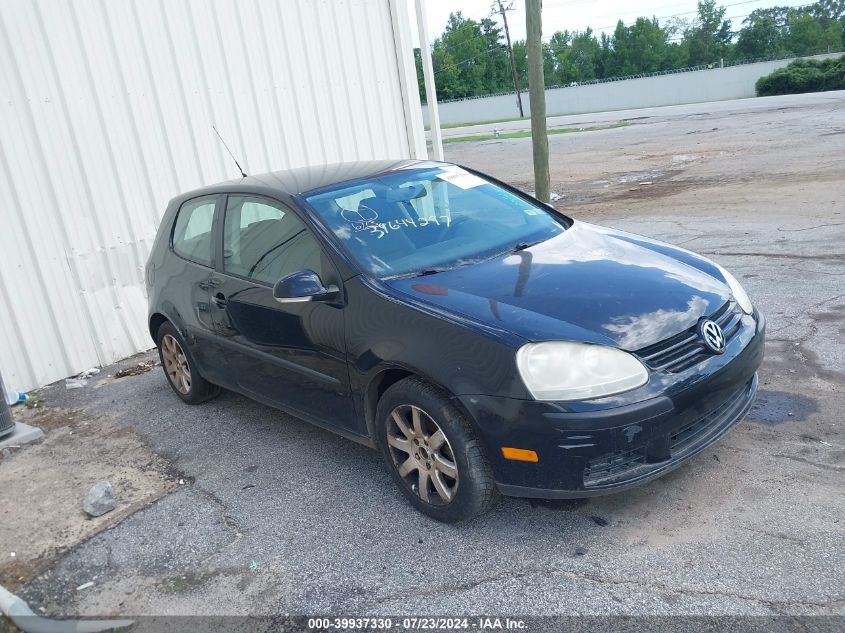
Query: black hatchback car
point(484, 342)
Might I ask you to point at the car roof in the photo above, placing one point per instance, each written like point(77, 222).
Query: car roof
point(303, 179)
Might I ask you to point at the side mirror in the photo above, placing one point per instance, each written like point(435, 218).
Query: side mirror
point(302, 286)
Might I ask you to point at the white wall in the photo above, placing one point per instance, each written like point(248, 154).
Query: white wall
point(720, 84)
point(107, 108)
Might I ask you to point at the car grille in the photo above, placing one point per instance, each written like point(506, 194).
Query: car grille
point(690, 434)
point(686, 349)
point(621, 466)
point(612, 466)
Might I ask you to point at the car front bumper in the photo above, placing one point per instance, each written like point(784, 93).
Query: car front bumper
point(590, 451)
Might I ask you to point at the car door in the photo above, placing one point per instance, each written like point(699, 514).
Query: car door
point(293, 354)
point(188, 276)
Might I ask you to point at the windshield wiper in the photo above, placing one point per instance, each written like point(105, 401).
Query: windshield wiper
point(424, 272)
point(431, 271)
point(521, 246)
point(524, 245)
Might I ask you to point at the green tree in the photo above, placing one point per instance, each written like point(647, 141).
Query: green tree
point(456, 56)
point(558, 62)
point(586, 55)
point(549, 76)
point(520, 58)
point(446, 73)
point(805, 34)
point(828, 11)
point(639, 48)
point(710, 37)
point(831, 14)
point(763, 34)
point(497, 75)
point(574, 57)
point(420, 76)
point(604, 63)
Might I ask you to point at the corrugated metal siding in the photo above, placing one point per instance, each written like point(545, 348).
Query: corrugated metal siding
point(107, 108)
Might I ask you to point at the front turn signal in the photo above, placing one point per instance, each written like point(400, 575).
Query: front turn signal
point(519, 454)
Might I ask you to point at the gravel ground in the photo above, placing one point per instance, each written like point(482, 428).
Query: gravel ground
point(276, 516)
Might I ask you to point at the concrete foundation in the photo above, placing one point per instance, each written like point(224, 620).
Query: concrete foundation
point(23, 434)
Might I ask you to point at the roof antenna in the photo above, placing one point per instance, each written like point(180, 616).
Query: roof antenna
point(241, 169)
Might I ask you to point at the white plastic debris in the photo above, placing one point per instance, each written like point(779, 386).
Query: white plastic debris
point(15, 397)
point(19, 612)
point(85, 586)
point(89, 372)
point(75, 383)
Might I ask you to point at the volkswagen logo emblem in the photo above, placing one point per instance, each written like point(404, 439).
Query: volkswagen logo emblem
point(712, 335)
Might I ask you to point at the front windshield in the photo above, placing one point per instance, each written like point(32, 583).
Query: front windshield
point(418, 221)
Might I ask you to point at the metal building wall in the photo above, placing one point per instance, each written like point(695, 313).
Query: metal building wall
point(107, 108)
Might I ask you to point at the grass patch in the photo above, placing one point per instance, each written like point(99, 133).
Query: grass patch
point(447, 126)
point(178, 584)
point(527, 133)
point(33, 400)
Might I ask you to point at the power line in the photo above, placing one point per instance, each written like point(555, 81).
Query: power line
point(469, 59)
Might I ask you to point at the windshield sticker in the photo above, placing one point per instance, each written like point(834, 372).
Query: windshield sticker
point(461, 178)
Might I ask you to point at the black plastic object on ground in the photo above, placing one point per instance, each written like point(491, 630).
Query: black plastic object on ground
point(7, 422)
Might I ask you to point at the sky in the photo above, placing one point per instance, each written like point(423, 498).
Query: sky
point(577, 15)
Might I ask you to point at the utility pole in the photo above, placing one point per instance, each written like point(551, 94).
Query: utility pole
point(430, 88)
point(503, 11)
point(537, 93)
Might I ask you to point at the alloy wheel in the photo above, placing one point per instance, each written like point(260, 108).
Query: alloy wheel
point(422, 455)
point(176, 364)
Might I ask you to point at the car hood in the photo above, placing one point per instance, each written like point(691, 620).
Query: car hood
point(587, 284)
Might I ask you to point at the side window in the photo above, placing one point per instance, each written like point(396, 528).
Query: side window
point(192, 235)
point(264, 241)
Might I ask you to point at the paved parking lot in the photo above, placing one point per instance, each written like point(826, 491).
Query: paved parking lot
point(276, 516)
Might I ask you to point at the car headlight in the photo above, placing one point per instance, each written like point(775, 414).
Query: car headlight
point(738, 291)
point(561, 370)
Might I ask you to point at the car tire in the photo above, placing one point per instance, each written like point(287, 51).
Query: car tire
point(180, 369)
point(418, 457)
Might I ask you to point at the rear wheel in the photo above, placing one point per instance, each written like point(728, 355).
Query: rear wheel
point(432, 453)
point(180, 369)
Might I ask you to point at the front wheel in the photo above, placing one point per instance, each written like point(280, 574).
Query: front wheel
point(432, 453)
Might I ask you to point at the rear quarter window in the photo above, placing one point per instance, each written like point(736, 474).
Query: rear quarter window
point(192, 232)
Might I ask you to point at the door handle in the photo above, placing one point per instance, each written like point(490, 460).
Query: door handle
point(220, 300)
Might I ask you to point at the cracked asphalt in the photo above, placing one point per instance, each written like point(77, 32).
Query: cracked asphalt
point(276, 516)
